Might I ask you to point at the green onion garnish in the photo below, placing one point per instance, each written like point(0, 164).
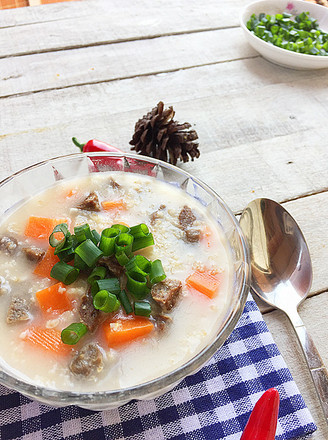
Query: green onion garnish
point(121, 228)
point(64, 272)
point(301, 35)
point(110, 284)
point(124, 299)
point(82, 233)
point(157, 273)
point(107, 241)
point(123, 248)
point(98, 273)
point(142, 308)
point(124, 243)
point(142, 242)
point(95, 236)
point(106, 302)
point(65, 249)
point(63, 228)
point(137, 285)
point(122, 258)
point(139, 230)
point(79, 263)
point(139, 263)
point(73, 333)
point(88, 252)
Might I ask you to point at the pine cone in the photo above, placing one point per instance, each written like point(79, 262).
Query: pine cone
point(158, 135)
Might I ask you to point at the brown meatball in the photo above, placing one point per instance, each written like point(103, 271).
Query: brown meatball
point(33, 253)
point(192, 235)
point(90, 203)
point(9, 245)
point(88, 361)
point(166, 293)
point(88, 314)
point(18, 310)
point(186, 217)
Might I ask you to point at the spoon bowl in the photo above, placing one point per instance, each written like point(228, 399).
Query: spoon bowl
point(280, 257)
point(282, 274)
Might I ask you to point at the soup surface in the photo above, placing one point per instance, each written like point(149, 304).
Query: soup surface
point(171, 320)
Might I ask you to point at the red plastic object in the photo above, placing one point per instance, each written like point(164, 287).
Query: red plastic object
point(262, 423)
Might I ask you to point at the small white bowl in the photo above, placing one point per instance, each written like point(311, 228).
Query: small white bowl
point(275, 54)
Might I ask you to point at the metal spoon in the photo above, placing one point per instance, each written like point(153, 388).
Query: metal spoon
point(282, 274)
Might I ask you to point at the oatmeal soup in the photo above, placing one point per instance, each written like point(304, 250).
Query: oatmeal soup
point(109, 281)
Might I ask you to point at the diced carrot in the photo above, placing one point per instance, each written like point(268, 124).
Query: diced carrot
point(54, 298)
point(108, 205)
point(204, 282)
point(41, 227)
point(43, 268)
point(46, 338)
point(71, 192)
point(121, 331)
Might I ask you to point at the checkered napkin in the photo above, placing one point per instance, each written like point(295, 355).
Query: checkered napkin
point(213, 404)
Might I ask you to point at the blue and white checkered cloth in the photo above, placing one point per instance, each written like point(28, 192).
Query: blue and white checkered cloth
point(213, 404)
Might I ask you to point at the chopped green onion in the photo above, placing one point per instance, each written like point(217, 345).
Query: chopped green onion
point(66, 254)
point(124, 242)
point(142, 308)
point(123, 248)
point(124, 299)
point(66, 248)
point(157, 273)
point(139, 230)
point(98, 273)
point(88, 252)
point(139, 263)
point(121, 228)
point(79, 263)
point(64, 272)
point(106, 302)
point(107, 241)
point(142, 242)
point(137, 285)
point(110, 284)
point(63, 228)
point(301, 34)
point(122, 258)
point(95, 236)
point(82, 233)
point(73, 333)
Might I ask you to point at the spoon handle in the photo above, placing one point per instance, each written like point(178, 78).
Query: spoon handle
point(316, 366)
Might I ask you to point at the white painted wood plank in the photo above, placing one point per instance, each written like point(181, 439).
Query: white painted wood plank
point(104, 63)
point(314, 314)
point(98, 22)
point(142, 93)
point(46, 13)
point(224, 108)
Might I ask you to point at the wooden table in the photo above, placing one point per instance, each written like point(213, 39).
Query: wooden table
point(92, 68)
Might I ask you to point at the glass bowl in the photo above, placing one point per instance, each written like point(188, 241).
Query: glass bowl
point(22, 185)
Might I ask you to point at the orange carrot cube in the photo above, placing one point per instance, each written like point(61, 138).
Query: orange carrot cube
point(121, 331)
point(54, 298)
point(41, 227)
point(204, 282)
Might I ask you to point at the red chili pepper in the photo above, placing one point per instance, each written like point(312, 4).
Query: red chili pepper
point(262, 423)
point(94, 145)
